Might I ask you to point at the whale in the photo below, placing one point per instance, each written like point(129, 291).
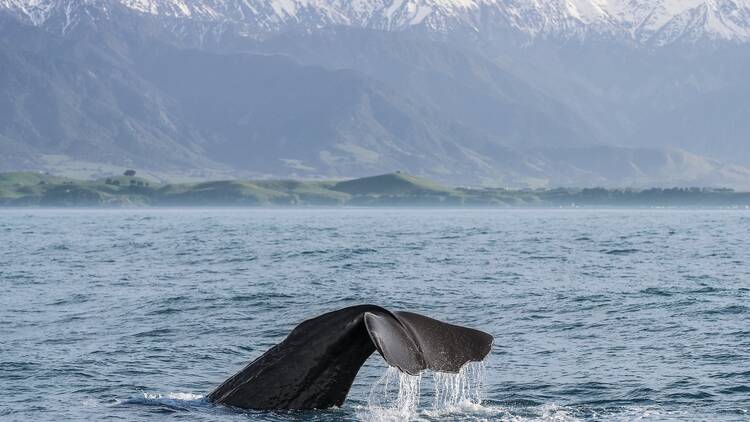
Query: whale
point(315, 365)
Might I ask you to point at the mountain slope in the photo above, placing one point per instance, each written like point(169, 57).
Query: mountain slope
point(153, 106)
point(458, 83)
point(265, 112)
point(66, 98)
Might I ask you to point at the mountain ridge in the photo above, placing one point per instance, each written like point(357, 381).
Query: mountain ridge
point(642, 22)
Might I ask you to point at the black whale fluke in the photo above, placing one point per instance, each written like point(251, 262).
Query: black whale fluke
point(314, 367)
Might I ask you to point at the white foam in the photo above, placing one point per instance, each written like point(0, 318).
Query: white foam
point(461, 389)
point(172, 396)
point(394, 397)
point(397, 396)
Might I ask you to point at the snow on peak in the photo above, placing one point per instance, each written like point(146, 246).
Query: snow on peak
point(655, 21)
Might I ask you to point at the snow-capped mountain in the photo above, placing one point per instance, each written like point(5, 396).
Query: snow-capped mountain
point(463, 91)
point(655, 22)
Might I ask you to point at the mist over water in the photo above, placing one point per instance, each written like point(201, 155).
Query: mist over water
point(597, 315)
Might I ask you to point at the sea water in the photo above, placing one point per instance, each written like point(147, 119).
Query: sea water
point(597, 314)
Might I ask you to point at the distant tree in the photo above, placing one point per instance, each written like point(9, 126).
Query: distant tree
point(116, 182)
point(108, 182)
point(129, 173)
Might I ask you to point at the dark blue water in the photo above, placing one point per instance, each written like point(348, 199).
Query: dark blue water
point(597, 315)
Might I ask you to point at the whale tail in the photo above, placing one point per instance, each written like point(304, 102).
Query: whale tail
point(315, 366)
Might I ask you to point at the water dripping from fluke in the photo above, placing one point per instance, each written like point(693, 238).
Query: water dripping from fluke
point(456, 391)
point(398, 396)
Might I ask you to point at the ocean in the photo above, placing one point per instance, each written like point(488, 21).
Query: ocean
point(136, 315)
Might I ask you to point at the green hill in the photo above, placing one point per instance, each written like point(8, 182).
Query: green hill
point(18, 179)
point(394, 189)
point(18, 185)
point(225, 192)
point(391, 184)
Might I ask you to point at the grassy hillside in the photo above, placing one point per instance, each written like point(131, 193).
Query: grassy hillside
point(395, 189)
point(391, 184)
point(19, 184)
point(227, 192)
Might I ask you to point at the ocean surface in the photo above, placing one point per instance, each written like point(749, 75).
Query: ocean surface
point(135, 315)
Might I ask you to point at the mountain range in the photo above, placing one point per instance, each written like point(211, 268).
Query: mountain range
point(478, 92)
point(657, 22)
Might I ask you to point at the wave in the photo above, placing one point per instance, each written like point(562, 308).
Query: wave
point(168, 403)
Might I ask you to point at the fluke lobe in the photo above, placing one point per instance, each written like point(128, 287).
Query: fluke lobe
point(314, 367)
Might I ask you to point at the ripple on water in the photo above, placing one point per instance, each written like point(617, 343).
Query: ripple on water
point(597, 315)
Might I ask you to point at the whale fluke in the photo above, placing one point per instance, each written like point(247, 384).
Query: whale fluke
point(432, 344)
point(315, 366)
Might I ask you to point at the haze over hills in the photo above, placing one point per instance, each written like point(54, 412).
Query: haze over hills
point(511, 93)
